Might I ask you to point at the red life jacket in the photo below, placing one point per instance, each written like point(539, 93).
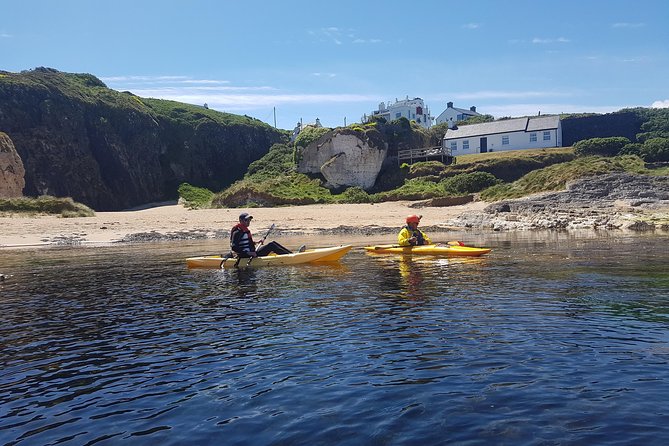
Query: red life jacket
point(241, 240)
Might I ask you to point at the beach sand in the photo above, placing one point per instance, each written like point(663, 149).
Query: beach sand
point(177, 222)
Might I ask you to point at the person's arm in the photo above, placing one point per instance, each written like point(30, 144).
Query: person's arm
point(426, 238)
point(403, 237)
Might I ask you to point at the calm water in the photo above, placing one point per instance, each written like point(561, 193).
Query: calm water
point(551, 339)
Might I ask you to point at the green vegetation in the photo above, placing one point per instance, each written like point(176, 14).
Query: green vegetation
point(273, 180)
point(309, 135)
point(600, 146)
point(654, 149)
point(556, 177)
point(469, 183)
point(195, 197)
point(45, 204)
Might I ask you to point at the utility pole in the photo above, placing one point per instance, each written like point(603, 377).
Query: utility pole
point(274, 117)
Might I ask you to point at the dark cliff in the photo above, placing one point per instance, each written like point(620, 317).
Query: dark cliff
point(113, 150)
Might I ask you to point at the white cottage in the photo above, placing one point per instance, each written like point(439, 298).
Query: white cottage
point(454, 114)
point(509, 134)
point(412, 109)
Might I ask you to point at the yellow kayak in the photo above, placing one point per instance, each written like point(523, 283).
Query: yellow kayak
point(330, 254)
point(431, 250)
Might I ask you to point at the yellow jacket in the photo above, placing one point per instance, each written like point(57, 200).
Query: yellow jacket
point(406, 233)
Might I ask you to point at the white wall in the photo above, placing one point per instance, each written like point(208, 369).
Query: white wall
point(517, 141)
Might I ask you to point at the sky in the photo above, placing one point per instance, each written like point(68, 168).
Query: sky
point(286, 61)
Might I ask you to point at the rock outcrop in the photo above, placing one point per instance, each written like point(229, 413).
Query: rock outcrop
point(612, 201)
point(344, 157)
point(112, 150)
point(11, 169)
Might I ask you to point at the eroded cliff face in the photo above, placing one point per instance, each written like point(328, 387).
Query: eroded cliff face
point(344, 158)
point(112, 150)
point(11, 169)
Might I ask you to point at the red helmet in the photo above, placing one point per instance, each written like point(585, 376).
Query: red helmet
point(413, 219)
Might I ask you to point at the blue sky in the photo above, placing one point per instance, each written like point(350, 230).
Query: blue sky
point(337, 60)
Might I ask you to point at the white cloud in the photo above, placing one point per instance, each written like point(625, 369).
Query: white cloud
point(471, 26)
point(5, 36)
point(544, 41)
point(660, 104)
point(627, 25)
point(324, 74)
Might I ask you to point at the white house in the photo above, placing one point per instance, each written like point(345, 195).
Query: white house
point(412, 109)
point(453, 114)
point(510, 134)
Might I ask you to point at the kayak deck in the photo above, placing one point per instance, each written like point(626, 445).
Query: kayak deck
point(433, 250)
point(330, 254)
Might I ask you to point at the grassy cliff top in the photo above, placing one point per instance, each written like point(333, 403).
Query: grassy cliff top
point(86, 88)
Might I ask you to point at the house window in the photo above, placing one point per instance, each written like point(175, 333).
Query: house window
point(533, 137)
point(547, 136)
point(398, 115)
point(465, 144)
point(454, 145)
point(505, 140)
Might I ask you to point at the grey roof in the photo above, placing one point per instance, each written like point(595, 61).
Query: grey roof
point(464, 111)
point(504, 126)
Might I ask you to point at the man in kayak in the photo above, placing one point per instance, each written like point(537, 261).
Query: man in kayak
point(241, 241)
point(410, 235)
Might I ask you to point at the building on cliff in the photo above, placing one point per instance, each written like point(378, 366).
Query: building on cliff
point(509, 134)
point(453, 114)
point(412, 109)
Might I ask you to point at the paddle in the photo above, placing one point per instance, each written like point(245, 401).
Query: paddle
point(262, 242)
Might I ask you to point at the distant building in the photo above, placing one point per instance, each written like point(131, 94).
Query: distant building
point(452, 115)
point(299, 127)
point(509, 134)
point(412, 109)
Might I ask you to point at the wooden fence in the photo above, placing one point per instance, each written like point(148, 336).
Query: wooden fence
point(425, 154)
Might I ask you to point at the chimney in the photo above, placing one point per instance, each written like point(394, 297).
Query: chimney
point(472, 108)
point(449, 105)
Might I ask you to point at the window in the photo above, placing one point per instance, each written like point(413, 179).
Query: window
point(505, 140)
point(547, 136)
point(533, 137)
point(454, 145)
point(398, 115)
point(465, 144)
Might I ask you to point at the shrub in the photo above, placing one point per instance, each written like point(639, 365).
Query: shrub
point(633, 148)
point(309, 135)
point(195, 197)
point(655, 149)
point(354, 194)
point(600, 146)
point(47, 204)
point(424, 168)
point(467, 183)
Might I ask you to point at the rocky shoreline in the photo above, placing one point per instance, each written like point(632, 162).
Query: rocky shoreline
point(613, 201)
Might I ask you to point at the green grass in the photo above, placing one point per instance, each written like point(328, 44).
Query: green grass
point(195, 197)
point(557, 176)
point(45, 204)
point(511, 154)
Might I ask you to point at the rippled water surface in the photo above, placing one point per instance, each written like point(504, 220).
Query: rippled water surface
point(550, 339)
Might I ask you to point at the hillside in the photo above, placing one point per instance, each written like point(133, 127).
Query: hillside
point(113, 150)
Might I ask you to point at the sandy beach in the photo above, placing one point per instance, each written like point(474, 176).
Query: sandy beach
point(177, 222)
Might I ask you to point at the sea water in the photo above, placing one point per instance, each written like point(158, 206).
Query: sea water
point(552, 338)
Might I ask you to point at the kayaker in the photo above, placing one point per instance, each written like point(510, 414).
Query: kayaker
point(410, 235)
point(242, 244)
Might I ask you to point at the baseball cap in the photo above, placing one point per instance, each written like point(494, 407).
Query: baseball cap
point(245, 216)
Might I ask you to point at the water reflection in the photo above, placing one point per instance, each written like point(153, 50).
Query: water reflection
point(126, 345)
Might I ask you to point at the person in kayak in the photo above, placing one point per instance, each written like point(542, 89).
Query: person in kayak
point(242, 244)
point(410, 235)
